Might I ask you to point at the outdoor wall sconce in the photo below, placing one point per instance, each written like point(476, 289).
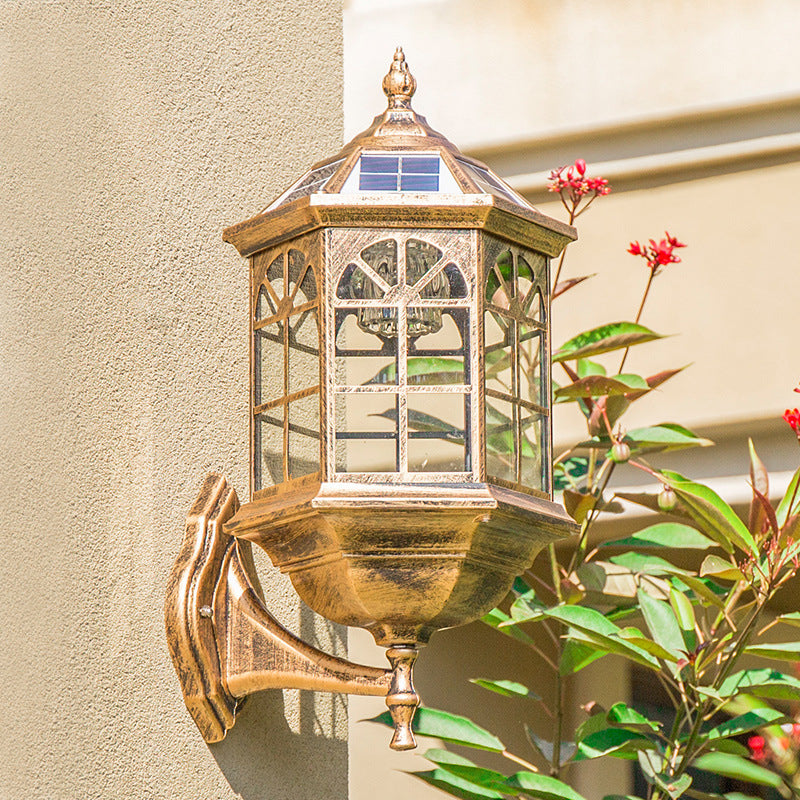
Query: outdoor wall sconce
point(400, 425)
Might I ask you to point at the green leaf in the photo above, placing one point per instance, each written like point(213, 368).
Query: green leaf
point(584, 367)
point(478, 776)
point(599, 386)
point(542, 786)
point(449, 728)
point(646, 563)
point(792, 618)
point(757, 718)
point(501, 622)
point(424, 372)
point(714, 516)
point(616, 742)
point(762, 683)
point(457, 787)
point(674, 535)
point(662, 623)
point(785, 651)
point(637, 638)
point(720, 568)
point(604, 339)
point(575, 656)
point(739, 768)
point(664, 437)
point(703, 589)
point(506, 688)
point(623, 716)
point(674, 787)
point(684, 613)
point(782, 512)
point(599, 631)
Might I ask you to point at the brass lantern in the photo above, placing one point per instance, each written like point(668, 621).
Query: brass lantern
point(400, 419)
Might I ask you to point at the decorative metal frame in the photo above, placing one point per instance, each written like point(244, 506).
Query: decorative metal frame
point(402, 553)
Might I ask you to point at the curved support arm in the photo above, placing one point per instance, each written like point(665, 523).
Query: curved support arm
point(225, 644)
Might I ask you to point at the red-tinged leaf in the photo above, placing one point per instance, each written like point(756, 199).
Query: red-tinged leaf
point(653, 381)
point(564, 286)
point(759, 480)
point(598, 386)
point(604, 339)
point(767, 508)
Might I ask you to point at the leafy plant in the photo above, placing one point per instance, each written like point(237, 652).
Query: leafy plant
point(689, 628)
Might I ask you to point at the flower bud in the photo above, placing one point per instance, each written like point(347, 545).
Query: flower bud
point(667, 499)
point(620, 452)
point(580, 165)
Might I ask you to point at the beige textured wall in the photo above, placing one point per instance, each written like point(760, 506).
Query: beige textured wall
point(132, 132)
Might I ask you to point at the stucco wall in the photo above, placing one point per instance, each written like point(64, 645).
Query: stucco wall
point(132, 133)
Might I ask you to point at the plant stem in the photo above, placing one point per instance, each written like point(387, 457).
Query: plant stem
point(639, 313)
point(521, 761)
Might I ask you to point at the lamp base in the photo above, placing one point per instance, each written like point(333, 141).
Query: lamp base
point(226, 645)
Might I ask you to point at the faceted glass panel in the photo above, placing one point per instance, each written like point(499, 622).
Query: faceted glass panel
point(303, 351)
point(268, 447)
point(268, 361)
point(366, 432)
point(314, 181)
point(501, 424)
point(517, 369)
point(529, 357)
point(531, 450)
point(360, 357)
point(439, 357)
point(304, 436)
point(436, 434)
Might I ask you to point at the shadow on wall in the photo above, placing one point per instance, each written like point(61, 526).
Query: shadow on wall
point(263, 759)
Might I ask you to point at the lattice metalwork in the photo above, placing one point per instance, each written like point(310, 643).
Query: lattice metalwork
point(286, 364)
point(517, 378)
point(403, 350)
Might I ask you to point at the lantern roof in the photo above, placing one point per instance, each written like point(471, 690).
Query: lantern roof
point(396, 167)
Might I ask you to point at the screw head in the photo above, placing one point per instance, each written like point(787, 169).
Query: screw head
point(206, 611)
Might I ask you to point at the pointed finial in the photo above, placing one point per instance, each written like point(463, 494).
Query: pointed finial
point(399, 84)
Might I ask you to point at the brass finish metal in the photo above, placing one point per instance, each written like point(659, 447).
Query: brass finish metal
point(225, 645)
point(401, 550)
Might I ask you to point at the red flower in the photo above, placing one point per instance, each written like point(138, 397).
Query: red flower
point(573, 185)
point(657, 254)
point(757, 748)
point(792, 417)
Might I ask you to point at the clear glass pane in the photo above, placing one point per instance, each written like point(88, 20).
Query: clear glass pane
point(525, 279)
point(498, 335)
point(382, 257)
point(303, 351)
point(275, 276)
point(361, 357)
point(500, 281)
point(268, 446)
point(304, 437)
point(268, 363)
point(265, 305)
point(436, 433)
point(298, 272)
point(356, 284)
point(531, 451)
point(438, 357)
point(500, 444)
point(458, 286)
point(366, 432)
point(530, 354)
point(420, 258)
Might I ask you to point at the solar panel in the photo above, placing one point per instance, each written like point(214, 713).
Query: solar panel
point(398, 173)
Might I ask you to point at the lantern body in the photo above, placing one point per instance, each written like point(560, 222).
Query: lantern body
point(400, 403)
